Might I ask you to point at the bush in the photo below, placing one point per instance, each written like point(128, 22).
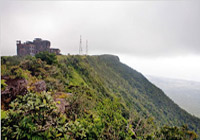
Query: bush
point(50, 58)
point(11, 60)
point(33, 116)
point(35, 66)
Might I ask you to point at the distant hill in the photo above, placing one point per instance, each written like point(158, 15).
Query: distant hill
point(183, 92)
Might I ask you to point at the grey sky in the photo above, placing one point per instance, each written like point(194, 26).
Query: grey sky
point(142, 30)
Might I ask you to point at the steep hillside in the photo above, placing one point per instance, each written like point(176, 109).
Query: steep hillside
point(101, 78)
point(110, 76)
point(138, 93)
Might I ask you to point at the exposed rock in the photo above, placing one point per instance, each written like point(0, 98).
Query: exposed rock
point(39, 86)
point(14, 87)
point(61, 102)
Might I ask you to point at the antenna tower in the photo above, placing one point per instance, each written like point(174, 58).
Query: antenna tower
point(80, 46)
point(86, 47)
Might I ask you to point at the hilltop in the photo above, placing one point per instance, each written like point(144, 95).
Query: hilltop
point(114, 93)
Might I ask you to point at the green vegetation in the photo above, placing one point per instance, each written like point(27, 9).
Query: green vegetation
point(104, 99)
point(176, 133)
point(3, 114)
point(3, 84)
point(50, 58)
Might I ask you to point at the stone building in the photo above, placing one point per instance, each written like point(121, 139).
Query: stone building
point(32, 48)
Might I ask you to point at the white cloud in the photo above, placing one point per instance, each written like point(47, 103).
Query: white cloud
point(182, 67)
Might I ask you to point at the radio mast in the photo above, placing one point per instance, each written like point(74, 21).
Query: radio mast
point(80, 46)
point(86, 47)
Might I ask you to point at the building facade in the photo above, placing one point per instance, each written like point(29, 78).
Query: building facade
point(34, 47)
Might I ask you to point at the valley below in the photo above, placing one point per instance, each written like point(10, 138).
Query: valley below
point(183, 92)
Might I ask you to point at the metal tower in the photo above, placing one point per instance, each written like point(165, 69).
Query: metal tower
point(86, 47)
point(80, 46)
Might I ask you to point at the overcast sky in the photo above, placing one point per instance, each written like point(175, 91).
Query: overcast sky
point(160, 38)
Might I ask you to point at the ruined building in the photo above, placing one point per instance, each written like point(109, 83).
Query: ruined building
point(32, 48)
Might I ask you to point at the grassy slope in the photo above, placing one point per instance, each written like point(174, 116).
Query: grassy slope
point(109, 76)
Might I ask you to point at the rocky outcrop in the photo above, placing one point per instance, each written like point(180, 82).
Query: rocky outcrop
point(39, 86)
point(14, 87)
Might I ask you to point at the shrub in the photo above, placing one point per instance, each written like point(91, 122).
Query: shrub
point(35, 66)
point(50, 58)
point(11, 60)
point(32, 116)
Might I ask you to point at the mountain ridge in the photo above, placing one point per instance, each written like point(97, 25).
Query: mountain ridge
point(108, 77)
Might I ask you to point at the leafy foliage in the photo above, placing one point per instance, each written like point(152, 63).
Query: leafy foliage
point(30, 117)
point(50, 58)
point(3, 114)
point(3, 84)
point(15, 72)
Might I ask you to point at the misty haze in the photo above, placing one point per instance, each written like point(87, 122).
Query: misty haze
point(94, 69)
point(183, 92)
